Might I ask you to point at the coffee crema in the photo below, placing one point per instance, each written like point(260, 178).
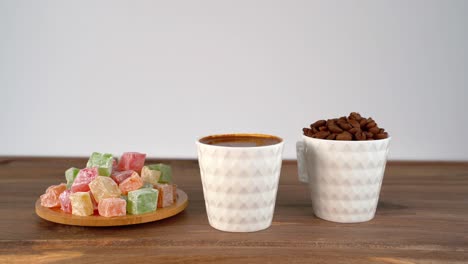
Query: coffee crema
point(241, 140)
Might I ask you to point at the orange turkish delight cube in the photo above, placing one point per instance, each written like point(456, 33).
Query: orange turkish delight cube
point(132, 183)
point(51, 197)
point(110, 207)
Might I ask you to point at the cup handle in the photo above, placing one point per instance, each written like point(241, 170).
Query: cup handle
point(301, 163)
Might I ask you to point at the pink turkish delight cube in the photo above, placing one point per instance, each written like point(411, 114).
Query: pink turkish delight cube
point(65, 202)
point(132, 161)
point(120, 176)
point(166, 194)
point(132, 183)
point(51, 197)
point(82, 180)
point(110, 207)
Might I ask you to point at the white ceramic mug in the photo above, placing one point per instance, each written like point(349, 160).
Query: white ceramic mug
point(344, 177)
point(240, 184)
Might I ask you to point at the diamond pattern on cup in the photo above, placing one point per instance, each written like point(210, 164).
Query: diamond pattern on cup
point(240, 185)
point(345, 177)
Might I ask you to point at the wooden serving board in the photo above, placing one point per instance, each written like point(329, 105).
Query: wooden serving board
point(58, 216)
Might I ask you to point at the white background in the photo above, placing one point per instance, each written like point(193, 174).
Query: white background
point(153, 76)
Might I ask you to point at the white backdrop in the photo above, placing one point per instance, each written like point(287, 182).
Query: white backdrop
point(153, 76)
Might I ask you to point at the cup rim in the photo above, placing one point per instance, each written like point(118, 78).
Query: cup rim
point(281, 140)
point(347, 141)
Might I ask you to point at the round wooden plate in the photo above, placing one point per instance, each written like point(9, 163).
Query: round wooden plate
point(58, 216)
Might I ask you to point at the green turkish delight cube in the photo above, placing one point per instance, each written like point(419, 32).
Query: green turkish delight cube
point(70, 175)
point(142, 201)
point(166, 172)
point(102, 161)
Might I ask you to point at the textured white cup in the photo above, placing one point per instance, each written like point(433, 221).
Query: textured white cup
point(344, 176)
point(240, 185)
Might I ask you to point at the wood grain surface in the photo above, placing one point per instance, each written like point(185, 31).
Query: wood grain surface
point(422, 217)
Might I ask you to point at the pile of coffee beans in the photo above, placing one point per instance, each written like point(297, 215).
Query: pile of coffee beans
point(353, 127)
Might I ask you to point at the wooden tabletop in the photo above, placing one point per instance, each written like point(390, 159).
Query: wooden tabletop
point(422, 217)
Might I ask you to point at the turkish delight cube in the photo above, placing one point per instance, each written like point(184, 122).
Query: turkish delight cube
point(142, 201)
point(150, 175)
point(166, 172)
point(132, 183)
point(132, 161)
point(104, 187)
point(166, 194)
point(82, 180)
point(103, 161)
point(120, 176)
point(70, 176)
point(65, 203)
point(51, 197)
point(81, 204)
point(110, 207)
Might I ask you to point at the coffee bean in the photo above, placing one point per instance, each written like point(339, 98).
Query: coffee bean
point(354, 130)
point(334, 128)
point(354, 123)
point(353, 127)
point(374, 130)
point(360, 135)
point(322, 134)
point(369, 134)
point(344, 125)
point(381, 135)
point(318, 124)
point(363, 123)
point(345, 135)
point(355, 116)
point(371, 124)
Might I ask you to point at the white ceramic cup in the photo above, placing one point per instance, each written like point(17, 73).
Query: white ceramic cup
point(240, 184)
point(344, 177)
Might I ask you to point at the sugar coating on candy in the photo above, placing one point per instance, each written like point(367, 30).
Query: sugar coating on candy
point(84, 177)
point(104, 187)
point(166, 172)
point(70, 176)
point(65, 203)
point(142, 201)
point(120, 176)
point(51, 197)
point(103, 161)
point(110, 207)
point(146, 185)
point(132, 161)
point(150, 175)
point(166, 194)
point(132, 183)
point(81, 204)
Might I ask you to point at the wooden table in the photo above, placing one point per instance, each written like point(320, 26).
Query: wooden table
point(422, 218)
